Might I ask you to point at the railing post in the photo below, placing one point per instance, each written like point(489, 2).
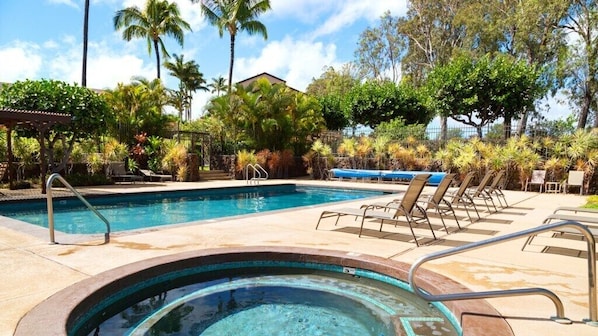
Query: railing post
point(591, 242)
point(51, 179)
point(50, 210)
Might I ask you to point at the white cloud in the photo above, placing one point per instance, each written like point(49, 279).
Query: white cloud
point(336, 14)
point(20, 62)
point(106, 65)
point(50, 44)
point(70, 3)
point(307, 11)
point(348, 12)
point(297, 62)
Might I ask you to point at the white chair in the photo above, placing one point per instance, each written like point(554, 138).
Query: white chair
point(537, 178)
point(575, 179)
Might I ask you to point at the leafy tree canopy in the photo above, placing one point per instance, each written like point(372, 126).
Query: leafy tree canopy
point(88, 109)
point(89, 114)
point(381, 49)
point(479, 92)
point(374, 102)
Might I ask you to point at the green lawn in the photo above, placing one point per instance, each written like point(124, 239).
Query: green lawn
point(592, 202)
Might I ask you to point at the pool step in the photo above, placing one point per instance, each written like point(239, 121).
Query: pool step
point(214, 175)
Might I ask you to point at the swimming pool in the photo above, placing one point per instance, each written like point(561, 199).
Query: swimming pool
point(145, 210)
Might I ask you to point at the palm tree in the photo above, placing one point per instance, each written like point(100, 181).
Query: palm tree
point(85, 40)
point(235, 16)
point(190, 79)
point(218, 85)
point(154, 91)
point(159, 17)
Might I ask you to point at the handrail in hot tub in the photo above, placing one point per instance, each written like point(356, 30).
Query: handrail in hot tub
point(560, 311)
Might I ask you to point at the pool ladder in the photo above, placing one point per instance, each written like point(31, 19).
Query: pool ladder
point(258, 173)
point(58, 177)
point(560, 311)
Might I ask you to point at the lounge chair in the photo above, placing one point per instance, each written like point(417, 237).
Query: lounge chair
point(118, 173)
point(590, 219)
point(439, 204)
point(461, 197)
point(494, 189)
point(480, 191)
point(538, 178)
point(435, 202)
point(575, 179)
point(407, 208)
point(151, 176)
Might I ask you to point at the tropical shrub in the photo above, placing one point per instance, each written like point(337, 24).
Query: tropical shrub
point(245, 157)
point(175, 159)
point(318, 160)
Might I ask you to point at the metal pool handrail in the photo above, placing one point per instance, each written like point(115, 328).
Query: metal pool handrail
point(58, 177)
point(560, 311)
point(257, 170)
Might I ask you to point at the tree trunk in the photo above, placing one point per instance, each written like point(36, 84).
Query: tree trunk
point(585, 110)
point(42, 158)
point(232, 61)
point(156, 49)
point(9, 154)
point(507, 128)
point(522, 123)
point(85, 40)
point(443, 129)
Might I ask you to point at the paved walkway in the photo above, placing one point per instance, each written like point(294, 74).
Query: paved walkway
point(35, 269)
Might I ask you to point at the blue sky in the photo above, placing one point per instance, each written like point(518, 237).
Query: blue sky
point(43, 39)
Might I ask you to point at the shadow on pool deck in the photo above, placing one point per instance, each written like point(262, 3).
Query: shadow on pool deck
point(35, 269)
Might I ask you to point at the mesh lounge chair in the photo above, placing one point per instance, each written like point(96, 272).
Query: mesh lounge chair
point(494, 189)
point(439, 204)
point(538, 178)
point(575, 179)
point(586, 216)
point(151, 176)
point(461, 197)
point(480, 191)
point(407, 208)
point(435, 202)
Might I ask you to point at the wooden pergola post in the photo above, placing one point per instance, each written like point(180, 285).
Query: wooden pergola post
point(42, 121)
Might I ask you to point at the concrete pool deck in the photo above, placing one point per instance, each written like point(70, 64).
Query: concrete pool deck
point(35, 269)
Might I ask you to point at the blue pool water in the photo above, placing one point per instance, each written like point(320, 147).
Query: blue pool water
point(136, 211)
point(268, 298)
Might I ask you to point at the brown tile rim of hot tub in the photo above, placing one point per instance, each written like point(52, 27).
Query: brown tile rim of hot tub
point(56, 313)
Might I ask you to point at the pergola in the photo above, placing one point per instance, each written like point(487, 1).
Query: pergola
point(41, 121)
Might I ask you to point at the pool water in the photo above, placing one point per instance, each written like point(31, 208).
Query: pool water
point(137, 211)
point(273, 301)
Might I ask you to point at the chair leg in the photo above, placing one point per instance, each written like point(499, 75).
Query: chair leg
point(411, 228)
point(472, 203)
point(493, 204)
point(442, 220)
point(361, 228)
point(528, 241)
point(450, 208)
point(430, 226)
point(319, 220)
